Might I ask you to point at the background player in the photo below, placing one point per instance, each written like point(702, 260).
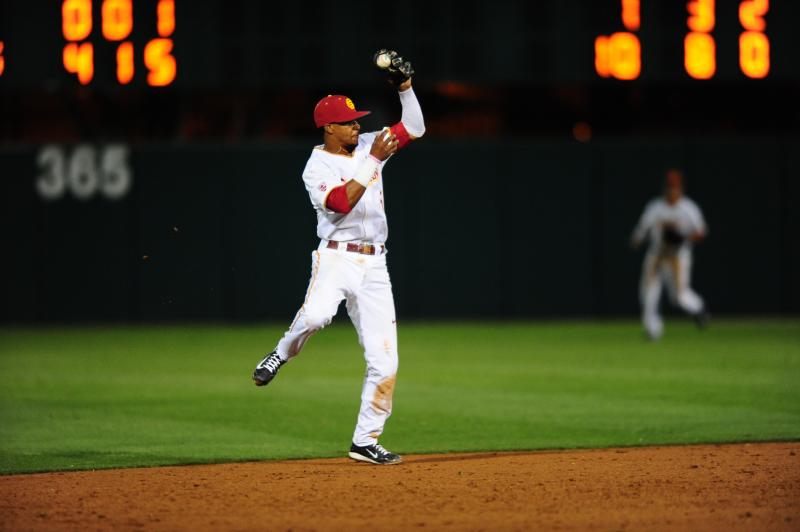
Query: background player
point(672, 223)
point(344, 179)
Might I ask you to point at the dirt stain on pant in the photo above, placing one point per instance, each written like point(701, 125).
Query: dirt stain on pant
point(382, 400)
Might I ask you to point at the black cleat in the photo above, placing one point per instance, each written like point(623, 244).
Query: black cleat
point(701, 319)
point(267, 369)
point(374, 454)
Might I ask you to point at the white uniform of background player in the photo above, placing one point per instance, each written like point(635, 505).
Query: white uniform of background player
point(672, 223)
point(345, 184)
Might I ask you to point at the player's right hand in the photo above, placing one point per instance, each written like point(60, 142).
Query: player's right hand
point(384, 145)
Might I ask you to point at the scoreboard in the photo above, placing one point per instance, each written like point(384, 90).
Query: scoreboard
point(158, 44)
point(619, 55)
point(116, 24)
point(85, 42)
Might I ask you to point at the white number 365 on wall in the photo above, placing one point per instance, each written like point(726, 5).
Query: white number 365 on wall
point(84, 171)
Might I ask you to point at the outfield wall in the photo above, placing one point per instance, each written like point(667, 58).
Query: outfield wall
point(484, 229)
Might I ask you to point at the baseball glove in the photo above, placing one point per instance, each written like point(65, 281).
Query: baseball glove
point(672, 236)
point(397, 69)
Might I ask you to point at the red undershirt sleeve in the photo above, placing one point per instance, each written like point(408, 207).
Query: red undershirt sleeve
point(337, 200)
point(402, 135)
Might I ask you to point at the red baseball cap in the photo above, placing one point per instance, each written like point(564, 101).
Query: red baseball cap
point(336, 108)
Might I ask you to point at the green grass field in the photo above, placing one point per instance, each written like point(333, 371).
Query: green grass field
point(82, 398)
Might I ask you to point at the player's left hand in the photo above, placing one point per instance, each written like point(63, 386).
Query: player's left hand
point(398, 69)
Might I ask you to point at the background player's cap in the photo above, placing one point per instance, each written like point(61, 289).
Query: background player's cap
point(336, 108)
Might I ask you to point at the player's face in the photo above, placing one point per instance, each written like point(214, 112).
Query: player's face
point(347, 132)
point(673, 193)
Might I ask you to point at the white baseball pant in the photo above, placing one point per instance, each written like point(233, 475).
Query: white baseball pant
point(363, 281)
point(675, 270)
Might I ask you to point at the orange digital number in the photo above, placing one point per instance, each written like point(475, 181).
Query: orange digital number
point(754, 54)
point(625, 55)
point(79, 60)
point(125, 69)
point(76, 19)
point(2, 59)
point(701, 15)
point(700, 55)
point(117, 19)
point(618, 56)
point(699, 48)
point(630, 14)
point(751, 14)
point(160, 62)
point(601, 56)
point(166, 17)
point(753, 43)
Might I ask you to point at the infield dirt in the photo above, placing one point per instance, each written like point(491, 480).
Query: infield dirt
point(716, 487)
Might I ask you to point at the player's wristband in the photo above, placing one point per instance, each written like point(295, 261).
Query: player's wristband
point(366, 170)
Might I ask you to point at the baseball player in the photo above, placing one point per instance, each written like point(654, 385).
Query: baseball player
point(344, 179)
point(672, 223)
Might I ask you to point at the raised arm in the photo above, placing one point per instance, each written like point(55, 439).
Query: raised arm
point(411, 117)
point(399, 73)
point(411, 125)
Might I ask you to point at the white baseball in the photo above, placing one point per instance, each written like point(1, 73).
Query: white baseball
point(384, 61)
point(387, 133)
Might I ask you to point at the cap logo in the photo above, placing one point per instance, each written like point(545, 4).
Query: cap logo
point(349, 103)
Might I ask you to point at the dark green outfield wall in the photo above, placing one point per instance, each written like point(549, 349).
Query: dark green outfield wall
point(488, 229)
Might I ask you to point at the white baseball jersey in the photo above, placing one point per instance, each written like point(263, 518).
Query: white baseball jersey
point(325, 171)
point(684, 216)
